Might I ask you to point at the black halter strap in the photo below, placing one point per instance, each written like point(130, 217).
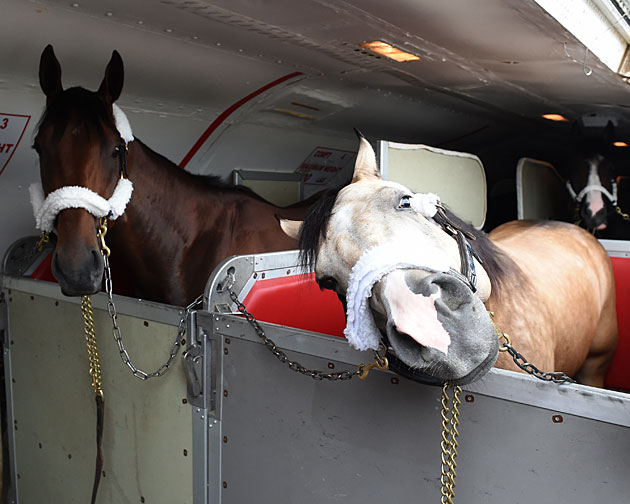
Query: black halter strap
point(467, 255)
point(121, 151)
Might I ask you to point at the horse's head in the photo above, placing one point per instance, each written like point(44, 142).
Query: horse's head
point(591, 181)
point(405, 279)
point(78, 145)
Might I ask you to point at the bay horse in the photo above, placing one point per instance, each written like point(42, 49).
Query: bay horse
point(417, 279)
point(176, 226)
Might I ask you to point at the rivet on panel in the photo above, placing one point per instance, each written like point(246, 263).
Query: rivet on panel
point(331, 365)
point(394, 381)
point(470, 398)
point(557, 419)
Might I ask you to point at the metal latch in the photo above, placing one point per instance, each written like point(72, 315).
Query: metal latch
point(193, 365)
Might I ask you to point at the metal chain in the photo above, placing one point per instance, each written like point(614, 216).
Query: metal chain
point(521, 361)
point(361, 372)
point(624, 215)
point(449, 443)
point(90, 338)
point(117, 333)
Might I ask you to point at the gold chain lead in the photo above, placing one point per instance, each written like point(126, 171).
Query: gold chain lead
point(90, 338)
point(449, 443)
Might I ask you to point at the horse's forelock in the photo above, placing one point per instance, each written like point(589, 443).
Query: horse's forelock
point(79, 104)
point(315, 225)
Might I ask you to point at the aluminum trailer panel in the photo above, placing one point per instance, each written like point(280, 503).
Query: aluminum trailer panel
point(232, 424)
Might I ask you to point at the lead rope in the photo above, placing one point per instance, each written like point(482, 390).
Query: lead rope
point(97, 386)
point(95, 368)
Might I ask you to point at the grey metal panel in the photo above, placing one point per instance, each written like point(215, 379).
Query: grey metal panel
point(592, 403)
point(378, 441)
point(147, 437)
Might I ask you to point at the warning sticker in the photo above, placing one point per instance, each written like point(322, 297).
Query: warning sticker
point(12, 128)
point(323, 164)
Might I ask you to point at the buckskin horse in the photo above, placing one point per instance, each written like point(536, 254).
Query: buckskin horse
point(171, 228)
point(415, 278)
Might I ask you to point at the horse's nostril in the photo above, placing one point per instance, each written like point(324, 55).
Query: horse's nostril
point(96, 258)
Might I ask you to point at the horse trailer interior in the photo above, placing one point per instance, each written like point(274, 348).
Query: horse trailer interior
point(492, 97)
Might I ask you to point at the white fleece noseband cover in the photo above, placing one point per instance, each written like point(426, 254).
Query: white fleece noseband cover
point(46, 209)
point(361, 331)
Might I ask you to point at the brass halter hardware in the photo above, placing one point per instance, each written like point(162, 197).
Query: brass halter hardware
point(102, 231)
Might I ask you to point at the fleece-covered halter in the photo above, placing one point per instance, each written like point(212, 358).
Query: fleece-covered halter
point(46, 209)
point(361, 330)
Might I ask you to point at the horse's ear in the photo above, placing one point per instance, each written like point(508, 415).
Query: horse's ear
point(112, 84)
point(291, 227)
point(365, 165)
point(49, 74)
point(609, 133)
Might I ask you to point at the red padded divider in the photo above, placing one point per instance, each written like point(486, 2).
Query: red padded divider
point(44, 271)
point(618, 376)
point(296, 301)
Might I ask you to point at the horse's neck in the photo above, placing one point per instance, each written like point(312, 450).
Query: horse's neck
point(158, 223)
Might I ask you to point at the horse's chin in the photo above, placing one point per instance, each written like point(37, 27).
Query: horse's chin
point(473, 347)
point(431, 366)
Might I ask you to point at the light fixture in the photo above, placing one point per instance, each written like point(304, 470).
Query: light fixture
point(598, 25)
point(389, 51)
point(620, 144)
point(555, 117)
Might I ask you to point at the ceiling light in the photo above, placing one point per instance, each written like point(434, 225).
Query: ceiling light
point(595, 23)
point(389, 51)
point(620, 144)
point(555, 117)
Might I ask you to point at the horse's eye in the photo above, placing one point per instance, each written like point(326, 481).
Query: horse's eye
point(405, 202)
point(327, 283)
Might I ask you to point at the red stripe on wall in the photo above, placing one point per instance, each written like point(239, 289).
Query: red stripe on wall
point(226, 113)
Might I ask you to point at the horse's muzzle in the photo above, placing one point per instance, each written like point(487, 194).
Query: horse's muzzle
point(81, 274)
point(459, 318)
point(598, 222)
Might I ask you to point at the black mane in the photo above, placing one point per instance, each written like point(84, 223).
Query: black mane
point(497, 265)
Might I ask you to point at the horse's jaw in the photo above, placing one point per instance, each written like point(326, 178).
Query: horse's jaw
point(445, 332)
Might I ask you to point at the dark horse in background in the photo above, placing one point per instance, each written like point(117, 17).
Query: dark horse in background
point(177, 226)
point(599, 185)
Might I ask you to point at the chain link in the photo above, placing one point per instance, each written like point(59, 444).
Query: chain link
point(90, 338)
point(623, 214)
point(521, 361)
point(449, 443)
point(117, 333)
point(296, 366)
